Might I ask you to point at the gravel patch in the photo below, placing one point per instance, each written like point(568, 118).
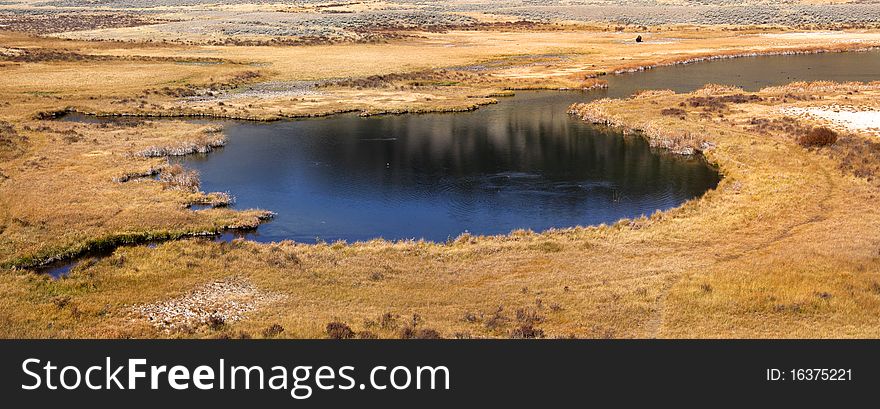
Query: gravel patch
point(847, 117)
point(213, 305)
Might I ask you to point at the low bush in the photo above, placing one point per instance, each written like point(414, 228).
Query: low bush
point(858, 156)
point(367, 335)
point(527, 331)
point(527, 319)
point(673, 112)
point(339, 330)
point(409, 332)
point(273, 331)
point(216, 321)
point(713, 103)
point(817, 137)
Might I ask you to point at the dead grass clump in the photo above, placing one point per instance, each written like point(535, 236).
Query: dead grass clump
point(282, 257)
point(273, 331)
point(719, 103)
point(528, 316)
point(673, 112)
point(740, 98)
point(817, 137)
point(419, 333)
point(367, 335)
point(388, 321)
point(858, 156)
point(412, 330)
point(497, 320)
point(206, 142)
point(786, 124)
point(216, 322)
point(10, 141)
point(180, 178)
point(527, 320)
point(418, 79)
point(527, 332)
point(214, 199)
point(71, 136)
point(339, 330)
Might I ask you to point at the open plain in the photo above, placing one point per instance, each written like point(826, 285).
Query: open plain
point(788, 245)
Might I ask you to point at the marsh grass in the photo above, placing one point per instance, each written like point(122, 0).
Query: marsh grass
point(785, 224)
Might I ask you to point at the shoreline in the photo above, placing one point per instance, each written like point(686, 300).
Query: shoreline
point(786, 245)
point(655, 137)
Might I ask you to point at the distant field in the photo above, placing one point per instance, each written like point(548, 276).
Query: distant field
point(333, 21)
point(787, 245)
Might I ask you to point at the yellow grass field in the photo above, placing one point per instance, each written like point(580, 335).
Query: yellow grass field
point(788, 245)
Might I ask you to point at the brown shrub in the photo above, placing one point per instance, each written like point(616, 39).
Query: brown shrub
point(818, 136)
point(858, 156)
point(713, 103)
point(388, 320)
point(786, 124)
point(339, 330)
point(273, 331)
point(61, 301)
point(497, 319)
point(527, 320)
point(527, 332)
point(673, 112)
point(367, 335)
point(527, 316)
point(11, 142)
point(216, 321)
point(409, 332)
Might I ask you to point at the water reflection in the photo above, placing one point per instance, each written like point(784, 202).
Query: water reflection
point(523, 163)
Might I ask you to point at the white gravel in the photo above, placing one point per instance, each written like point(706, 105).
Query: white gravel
point(855, 119)
point(222, 302)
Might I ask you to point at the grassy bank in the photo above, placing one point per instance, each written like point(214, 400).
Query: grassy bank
point(787, 245)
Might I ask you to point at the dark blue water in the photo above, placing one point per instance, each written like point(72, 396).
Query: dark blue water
point(520, 164)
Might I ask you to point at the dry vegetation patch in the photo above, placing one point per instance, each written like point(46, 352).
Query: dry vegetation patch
point(787, 245)
point(77, 193)
point(784, 284)
point(55, 22)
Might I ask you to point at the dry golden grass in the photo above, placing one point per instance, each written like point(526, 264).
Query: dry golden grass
point(797, 253)
point(64, 194)
point(787, 246)
point(116, 78)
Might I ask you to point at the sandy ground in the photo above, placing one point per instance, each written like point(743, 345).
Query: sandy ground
point(849, 118)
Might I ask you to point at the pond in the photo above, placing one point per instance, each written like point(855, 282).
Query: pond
point(520, 164)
